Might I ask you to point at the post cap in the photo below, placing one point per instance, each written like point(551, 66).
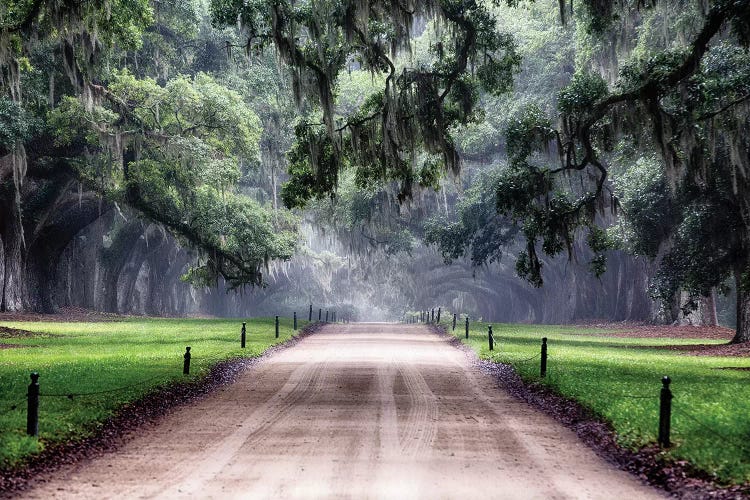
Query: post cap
point(187, 349)
point(544, 340)
point(666, 381)
point(34, 377)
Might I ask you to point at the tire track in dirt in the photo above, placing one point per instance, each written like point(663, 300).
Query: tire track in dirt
point(421, 419)
point(303, 384)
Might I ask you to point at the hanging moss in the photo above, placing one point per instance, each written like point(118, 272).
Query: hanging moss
point(417, 106)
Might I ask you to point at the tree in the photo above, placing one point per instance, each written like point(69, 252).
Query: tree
point(79, 137)
point(694, 100)
point(401, 132)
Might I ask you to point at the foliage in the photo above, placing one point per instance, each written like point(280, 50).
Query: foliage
point(416, 106)
point(181, 167)
point(477, 231)
point(646, 207)
point(15, 125)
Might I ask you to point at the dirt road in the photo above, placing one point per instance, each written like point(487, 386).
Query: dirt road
point(355, 411)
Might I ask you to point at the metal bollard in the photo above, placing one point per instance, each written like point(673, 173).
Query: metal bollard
point(186, 363)
point(32, 413)
point(320, 314)
point(438, 316)
point(433, 315)
point(242, 335)
point(454, 322)
point(326, 316)
point(543, 367)
point(295, 321)
point(665, 412)
point(310, 315)
point(277, 327)
point(490, 337)
point(467, 327)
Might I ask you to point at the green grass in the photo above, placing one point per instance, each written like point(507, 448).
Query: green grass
point(620, 379)
point(137, 355)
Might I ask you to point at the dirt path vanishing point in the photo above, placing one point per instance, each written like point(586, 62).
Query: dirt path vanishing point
point(354, 411)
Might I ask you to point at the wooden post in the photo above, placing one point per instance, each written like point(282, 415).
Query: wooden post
point(310, 315)
point(326, 316)
point(242, 335)
point(665, 412)
point(467, 327)
point(186, 362)
point(438, 316)
point(295, 321)
point(32, 412)
point(277, 327)
point(490, 338)
point(320, 313)
point(543, 367)
point(454, 322)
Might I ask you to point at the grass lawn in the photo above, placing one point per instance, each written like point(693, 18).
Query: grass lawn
point(132, 356)
point(620, 379)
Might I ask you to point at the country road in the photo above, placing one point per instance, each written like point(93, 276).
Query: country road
point(354, 411)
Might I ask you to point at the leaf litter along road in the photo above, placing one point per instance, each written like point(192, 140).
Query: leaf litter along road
point(357, 411)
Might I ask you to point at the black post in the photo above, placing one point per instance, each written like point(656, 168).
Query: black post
point(277, 327)
point(467, 327)
point(310, 317)
point(186, 363)
point(320, 314)
point(490, 337)
point(32, 413)
point(438, 318)
point(326, 316)
point(242, 335)
point(543, 368)
point(665, 412)
point(433, 315)
point(295, 321)
point(454, 322)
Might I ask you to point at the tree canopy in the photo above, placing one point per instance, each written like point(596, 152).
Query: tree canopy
point(454, 123)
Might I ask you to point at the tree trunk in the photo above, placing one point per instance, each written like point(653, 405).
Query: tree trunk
point(743, 309)
point(13, 260)
point(708, 306)
point(114, 260)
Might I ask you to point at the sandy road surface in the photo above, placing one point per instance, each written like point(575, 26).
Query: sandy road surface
point(355, 411)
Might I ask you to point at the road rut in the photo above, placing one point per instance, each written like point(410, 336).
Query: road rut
point(354, 411)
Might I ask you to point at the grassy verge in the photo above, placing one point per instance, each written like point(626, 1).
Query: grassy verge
point(619, 379)
point(109, 364)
